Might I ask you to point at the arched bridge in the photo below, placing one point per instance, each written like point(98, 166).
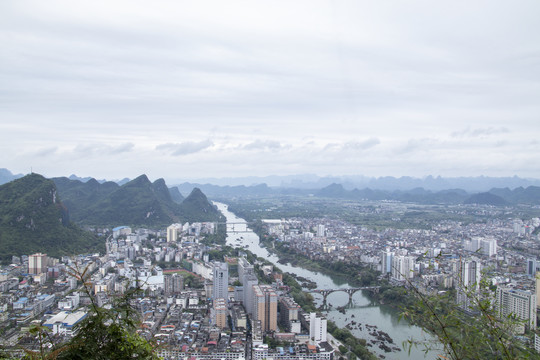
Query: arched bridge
point(349, 291)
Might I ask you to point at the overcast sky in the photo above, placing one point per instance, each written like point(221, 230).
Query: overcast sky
point(192, 89)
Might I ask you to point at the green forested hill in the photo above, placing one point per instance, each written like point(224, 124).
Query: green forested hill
point(33, 219)
point(529, 195)
point(486, 198)
point(176, 196)
point(196, 207)
point(138, 202)
point(77, 195)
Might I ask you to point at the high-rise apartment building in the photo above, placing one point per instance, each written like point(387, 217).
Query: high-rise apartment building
point(489, 246)
point(220, 313)
point(265, 302)
point(468, 281)
point(321, 230)
point(173, 284)
point(221, 281)
point(469, 273)
point(271, 300)
point(244, 268)
point(486, 246)
point(317, 328)
point(531, 267)
point(520, 303)
point(37, 263)
point(173, 232)
point(403, 267)
point(538, 289)
point(288, 311)
point(259, 306)
point(249, 281)
point(386, 261)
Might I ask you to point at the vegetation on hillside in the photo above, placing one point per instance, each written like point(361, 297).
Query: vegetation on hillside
point(33, 219)
point(138, 202)
point(472, 331)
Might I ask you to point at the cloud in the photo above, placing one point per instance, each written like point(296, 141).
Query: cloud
point(122, 148)
point(102, 149)
point(414, 145)
point(46, 151)
point(263, 145)
point(185, 148)
point(353, 145)
point(479, 132)
point(325, 91)
point(361, 145)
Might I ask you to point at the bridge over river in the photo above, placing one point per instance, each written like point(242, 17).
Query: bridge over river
point(236, 227)
point(349, 291)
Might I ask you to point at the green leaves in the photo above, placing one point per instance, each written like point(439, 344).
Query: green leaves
point(107, 333)
point(482, 335)
point(32, 219)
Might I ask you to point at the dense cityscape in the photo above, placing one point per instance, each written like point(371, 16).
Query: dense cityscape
point(203, 299)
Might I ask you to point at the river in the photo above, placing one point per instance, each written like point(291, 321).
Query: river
point(362, 311)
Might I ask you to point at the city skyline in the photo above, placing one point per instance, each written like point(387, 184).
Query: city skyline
point(187, 91)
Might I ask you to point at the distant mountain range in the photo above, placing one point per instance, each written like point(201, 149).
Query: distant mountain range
point(84, 194)
point(312, 182)
point(33, 219)
point(495, 197)
point(6, 176)
point(389, 183)
point(417, 195)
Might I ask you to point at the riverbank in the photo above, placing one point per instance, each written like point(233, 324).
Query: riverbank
point(396, 297)
point(365, 310)
point(357, 275)
point(347, 342)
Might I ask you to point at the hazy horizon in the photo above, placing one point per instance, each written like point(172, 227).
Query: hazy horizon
point(314, 181)
point(211, 89)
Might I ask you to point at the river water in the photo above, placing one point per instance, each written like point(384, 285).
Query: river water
point(362, 310)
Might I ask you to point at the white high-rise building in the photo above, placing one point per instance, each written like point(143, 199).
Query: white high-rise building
point(317, 328)
point(37, 263)
point(386, 261)
point(321, 230)
point(402, 267)
point(248, 282)
point(173, 231)
point(244, 268)
point(221, 281)
point(486, 246)
point(489, 246)
point(520, 303)
point(468, 281)
point(470, 273)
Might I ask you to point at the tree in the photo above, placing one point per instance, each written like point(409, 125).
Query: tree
point(107, 333)
point(472, 332)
